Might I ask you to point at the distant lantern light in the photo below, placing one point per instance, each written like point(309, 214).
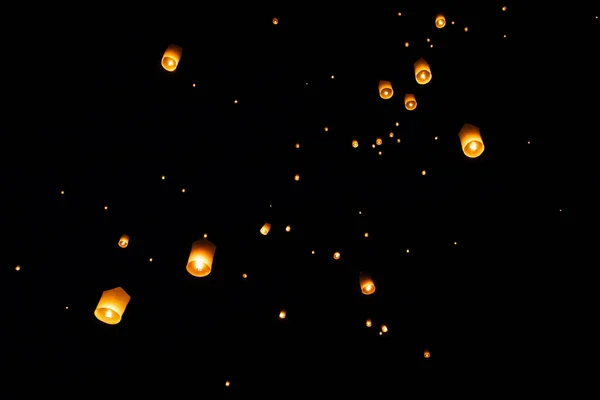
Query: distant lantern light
point(406, 44)
point(297, 145)
point(369, 323)
point(282, 314)
point(355, 143)
point(422, 72)
point(265, 228)
point(124, 241)
point(336, 255)
point(384, 328)
point(440, 21)
point(18, 268)
point(410, 102)
point(112, 305)
point(201, 258)
point(378, 141)
point(288, 228)
point(367, 286)
point(385, 90)
point(426, 353)
point(171, 57)
point(275, 21)
point(470, 141)
point(297, 177)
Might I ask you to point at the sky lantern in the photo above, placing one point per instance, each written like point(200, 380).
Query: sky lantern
point(112, 305)
point(201, 258)
point(440, 21)
point(410, 102)
point(171, 57)
point(124, 241)
point(422, 72)
point(367, 286)
point(470, 141)
point(385, 90)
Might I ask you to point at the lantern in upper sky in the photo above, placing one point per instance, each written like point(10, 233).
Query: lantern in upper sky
point(385, 90)
point(201, 258)
point(265, 228)
point(275, 21)
point(422, 72)
point(440, 21)
point(367, 286)
point(170, 59)
point(410, 102)
point(426, 354)
point(112, 305)
point(470, 141)
point(124, 241)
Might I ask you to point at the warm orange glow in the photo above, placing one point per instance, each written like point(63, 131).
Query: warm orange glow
point(297, 145)
point(440, 21)
point(369, 323)
point(336, 255)
point(282, 314)
point(124, 241)
point(297, 177)
point(378, 141)
point(275, 21)
point(385, 90)
point(265, 228)
point(367, 286)
point(355, 143)
point(112, 305)
point(18, 268)
point(426, 353)
point(288, 228)
point(410, 102)
point(201, 258)
point(422, 72)
point(470, 141)
point(384, 328)
point(171, 57)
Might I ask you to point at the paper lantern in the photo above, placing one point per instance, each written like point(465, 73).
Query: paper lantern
point(201, 258)
point(369, 323)
point(422, 72)
point(385, 90)
point(470, 141)
point(426, 354)
point(124, 241)
point(440, 21)
point(112, 305)
point(355, 143)
point(275, 21)
point(170, 59)
point(367, 286)
point(282, 314)
point(265, 228)
point(410, 102)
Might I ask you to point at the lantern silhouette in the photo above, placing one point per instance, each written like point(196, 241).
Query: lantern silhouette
point(410, 102)
point(171, 57)
point(470, 141)
point(440, 21)
point(124, 241)
point(422, 72)
point(265, 228)
point(112, 305)
point(385, 90)
point(367, 286)
point(426, 354)
point(201, 258)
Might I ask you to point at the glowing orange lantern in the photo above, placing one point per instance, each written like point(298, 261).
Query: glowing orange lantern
point(367, 286)
point(470, 141)
point(275, 21)
point(426, 353)
point(124, 241)
point(385, 90)
point(410, 102)
point(369, 323)
point(440, 21)
point(422, 72)
point(282, 314)
point(201, 258)
point(265, 228)
point(171, 57)
point(112, 305)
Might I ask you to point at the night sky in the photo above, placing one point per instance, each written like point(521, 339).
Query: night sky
point(99, 140)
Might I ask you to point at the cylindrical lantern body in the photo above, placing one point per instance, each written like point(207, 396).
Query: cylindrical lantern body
point(470, 141)
point(112, 305)
point(410, 102)
point(422, 72)
point(170, 59)
point(385, 90)
point(440, 21)
point(201, 258)
point(124, 241)
point(367, 286)
point(265, 228)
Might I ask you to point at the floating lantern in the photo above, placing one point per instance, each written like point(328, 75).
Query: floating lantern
point(410, 102)
point(470, 141)
point(422, 72)
point(124, 241)
point(265, 228)
point(201, 258)
point(112, 305)
point(440, 21)
point(171, 57)
point(426, 354)
point(367, 286)
point(385, 90)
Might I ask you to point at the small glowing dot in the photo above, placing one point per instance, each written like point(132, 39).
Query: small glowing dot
point(373, 145)
point(435, 138)
point(297, 177)
point(282, 314)
point(366, 234)
point(227, 383)
point(380, 333)
point(378, 141)
point(423, 172)
point(332, 76)
point(150, 259)
point(244, 276)
point(62, 192)
point(431, 45)
point(355, 143)
point(560, 210)
point(193, 85)
point(275, 21)
point(326, 129)
point(380, 152)
point(18, 268)
point(235, 102)
point(360, 212)
point(399, 14)
point(312, 252)
point(67, 307)
point(397, 123)
point(306, 83)
point(504, 36)
point(183, 190)
point(455, 243)
point(407, 251)
point(106, 207)
point(428, 40)
point(205, 235)
point(503, 8)
point(336, 255)
point(452, 22)
point(466, 29)
point(384, 328)
point(391, 134)
point(398, 140)
point(406, 44)
point(297, 145)
point(288, 228)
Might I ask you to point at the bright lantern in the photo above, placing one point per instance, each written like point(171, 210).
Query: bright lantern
point(422, 72)
point(201, 258)
point(265, 228)
point(470, 141)
point(367, 286)
point(112, 305)
point(385, 90)
point(171, 57)
point(426, 353)
point(124, 241)
point(440, 21)
point(410, 102)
